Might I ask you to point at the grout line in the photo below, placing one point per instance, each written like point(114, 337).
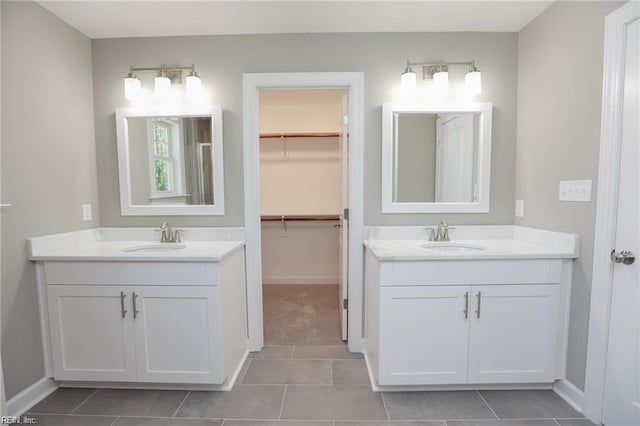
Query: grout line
point(384, 404)
point(331, 371)
point(182, 402)
point(490, 407)
point(85, 400)
point(284, 395)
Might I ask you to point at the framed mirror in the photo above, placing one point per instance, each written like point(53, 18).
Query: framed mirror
point(170, 163)
point(436, 159)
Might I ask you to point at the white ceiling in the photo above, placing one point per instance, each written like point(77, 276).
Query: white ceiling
point(145, 18)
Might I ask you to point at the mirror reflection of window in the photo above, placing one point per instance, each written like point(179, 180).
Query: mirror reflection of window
point(171, 160)
point(435, 157)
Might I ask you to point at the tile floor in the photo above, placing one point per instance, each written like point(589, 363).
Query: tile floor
point(303, 386)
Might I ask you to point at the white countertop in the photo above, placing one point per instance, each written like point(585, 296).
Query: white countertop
point(111, 245)
point(114, 251)
point(495, 249)
point(500, 242)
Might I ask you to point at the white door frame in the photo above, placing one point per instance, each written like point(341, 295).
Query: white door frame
point(606, 208)
point(251, 85)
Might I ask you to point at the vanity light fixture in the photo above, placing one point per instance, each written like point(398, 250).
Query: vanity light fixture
point(166, 76)
point(439, 73)
point(132, 86)
point(408, 79)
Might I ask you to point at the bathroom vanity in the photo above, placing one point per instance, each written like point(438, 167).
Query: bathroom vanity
point(487, 309)
point(119, 307)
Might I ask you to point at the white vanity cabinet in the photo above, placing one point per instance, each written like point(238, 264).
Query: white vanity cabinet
point(465, 322)
point(171, 322)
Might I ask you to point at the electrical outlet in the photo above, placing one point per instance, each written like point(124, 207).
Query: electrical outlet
point(86, 212)
point(519, 208)
point(575, 190)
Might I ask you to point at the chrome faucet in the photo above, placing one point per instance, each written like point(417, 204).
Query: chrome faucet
point(168, 234)
point(441, 233)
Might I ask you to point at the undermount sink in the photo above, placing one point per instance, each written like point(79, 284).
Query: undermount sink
point(453, 246)
point(149, 248)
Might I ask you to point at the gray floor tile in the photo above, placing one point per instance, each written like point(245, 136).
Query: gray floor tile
point(243, 402)
point(349, 372)
point(276, 423)
point(273, 352)
point(71, 420)
point(436, 406)
point(529, 404)
point(332, 403)
point(243, 370)
point(62, 401)
point(576, 422)
point(288, 371)
point(383, 423)
point(142, 421)
point(324, 352)
point(501, 423)
point(130, 402)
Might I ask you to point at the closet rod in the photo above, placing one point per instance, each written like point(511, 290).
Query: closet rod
point(298, 135)
point(300, 218)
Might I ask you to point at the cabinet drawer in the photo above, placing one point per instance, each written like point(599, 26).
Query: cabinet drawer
point(131, 273)
point(470, 272)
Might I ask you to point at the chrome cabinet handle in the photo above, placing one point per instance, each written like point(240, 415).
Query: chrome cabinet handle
point(466, 305)
point(135, 307)
point(122, 309)
point(479, 296)
point(626, 257)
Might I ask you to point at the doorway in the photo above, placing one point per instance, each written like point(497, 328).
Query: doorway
point(303, 197)
point(612, 388)
point(352, 254)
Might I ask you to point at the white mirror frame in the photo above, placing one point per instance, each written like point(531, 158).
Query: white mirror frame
point(126, 206)
point(484, 159)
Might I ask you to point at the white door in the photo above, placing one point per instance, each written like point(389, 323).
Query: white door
point(177, 334)
point(622, 381)
point(91, 333)
point(513, 335)
point(454, 158)
point(424, 334)
point(344, 221)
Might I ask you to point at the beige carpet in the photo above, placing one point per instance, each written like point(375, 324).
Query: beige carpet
point(301, 314)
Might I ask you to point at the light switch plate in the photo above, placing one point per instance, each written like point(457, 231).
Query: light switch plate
point(575, 190)
point(519, 208)
point(86, 212)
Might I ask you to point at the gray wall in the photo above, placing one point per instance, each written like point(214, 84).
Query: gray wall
point(48, 164)
point(416, 157)
point(560, 58)
point(221, 60)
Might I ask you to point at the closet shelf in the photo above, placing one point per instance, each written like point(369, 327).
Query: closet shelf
point(293, 218)
point(298, 135)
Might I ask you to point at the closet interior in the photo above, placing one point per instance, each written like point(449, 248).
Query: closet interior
point(301, 192)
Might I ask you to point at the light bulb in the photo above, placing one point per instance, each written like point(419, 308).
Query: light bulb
point(162, 86)
point(441, 82)
point(194, 85)
point(132, 87)
point(408, 81)
point(473, 82)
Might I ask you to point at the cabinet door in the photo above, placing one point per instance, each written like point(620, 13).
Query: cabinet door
point(514, 335)
point(177, 334)
point(423, 335)
point(91, 335)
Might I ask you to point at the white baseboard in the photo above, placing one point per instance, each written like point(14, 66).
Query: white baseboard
point(570, 393)
point(300, 280)
point(29, 397)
